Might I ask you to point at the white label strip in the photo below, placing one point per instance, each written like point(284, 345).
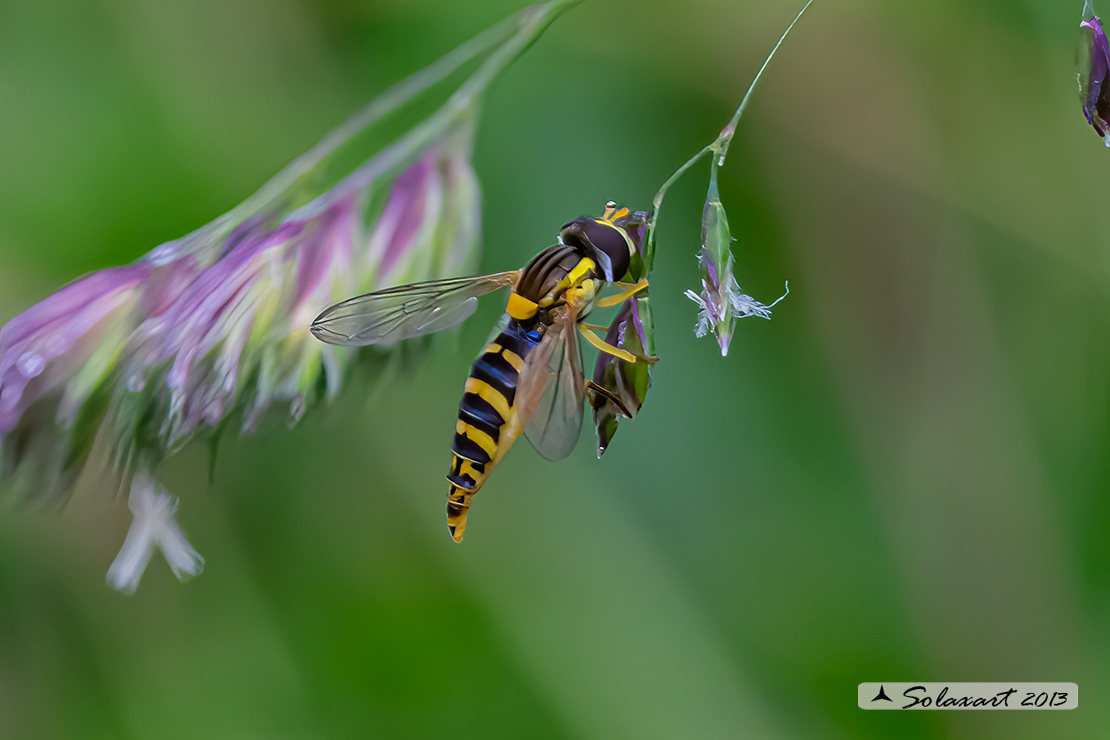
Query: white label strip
point(910, 695)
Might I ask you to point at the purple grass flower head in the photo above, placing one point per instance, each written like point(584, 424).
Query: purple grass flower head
point(721, 301)
point(66, 338)
point(125, 366)
point(1094, 73)
point(628, 382)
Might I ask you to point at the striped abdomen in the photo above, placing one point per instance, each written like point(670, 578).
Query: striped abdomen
point(483, 432)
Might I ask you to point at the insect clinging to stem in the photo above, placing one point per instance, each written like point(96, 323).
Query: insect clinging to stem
point(528, 378)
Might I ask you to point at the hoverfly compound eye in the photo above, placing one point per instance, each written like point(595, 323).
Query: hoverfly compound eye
point(571, 233)
point(611, 246)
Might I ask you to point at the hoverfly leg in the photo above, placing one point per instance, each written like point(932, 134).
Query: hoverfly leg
point(593, 390)
point(621, 354)
point(627, 291)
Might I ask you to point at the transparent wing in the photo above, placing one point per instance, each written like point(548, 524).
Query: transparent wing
point(552, 390)
point(406, 311)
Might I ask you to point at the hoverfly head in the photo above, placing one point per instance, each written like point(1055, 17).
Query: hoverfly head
point(608, 240)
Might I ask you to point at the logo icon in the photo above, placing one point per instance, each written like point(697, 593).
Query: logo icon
point(882, 694)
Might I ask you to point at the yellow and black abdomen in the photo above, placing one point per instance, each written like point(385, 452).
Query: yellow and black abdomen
point(487, 427)
point(485, 413)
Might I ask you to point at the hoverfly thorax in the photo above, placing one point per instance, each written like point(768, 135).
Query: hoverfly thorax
point(547, 272)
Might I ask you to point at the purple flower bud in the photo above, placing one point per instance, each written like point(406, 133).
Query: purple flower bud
point(635, 225)
point(1094, 74)
point(626, 383)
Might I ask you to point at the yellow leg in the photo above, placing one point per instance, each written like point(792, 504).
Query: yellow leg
point(619, 298)
point(621, 354)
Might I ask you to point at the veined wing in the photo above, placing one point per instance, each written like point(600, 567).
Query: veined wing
point(406, 311)
point(552, 389)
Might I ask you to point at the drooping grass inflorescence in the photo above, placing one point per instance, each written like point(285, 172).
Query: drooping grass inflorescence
point(124, 366)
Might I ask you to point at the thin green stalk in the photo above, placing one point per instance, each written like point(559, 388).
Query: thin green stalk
point(529, 23)
point(657, 205)
point(718, 147)
point(502, 43)
point(722, 142)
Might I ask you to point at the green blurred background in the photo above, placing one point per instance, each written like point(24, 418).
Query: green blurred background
point(901, 477)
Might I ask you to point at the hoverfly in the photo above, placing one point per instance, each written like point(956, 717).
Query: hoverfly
point(529, 377)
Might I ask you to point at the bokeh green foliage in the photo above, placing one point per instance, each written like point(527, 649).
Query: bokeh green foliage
point(902, 476)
